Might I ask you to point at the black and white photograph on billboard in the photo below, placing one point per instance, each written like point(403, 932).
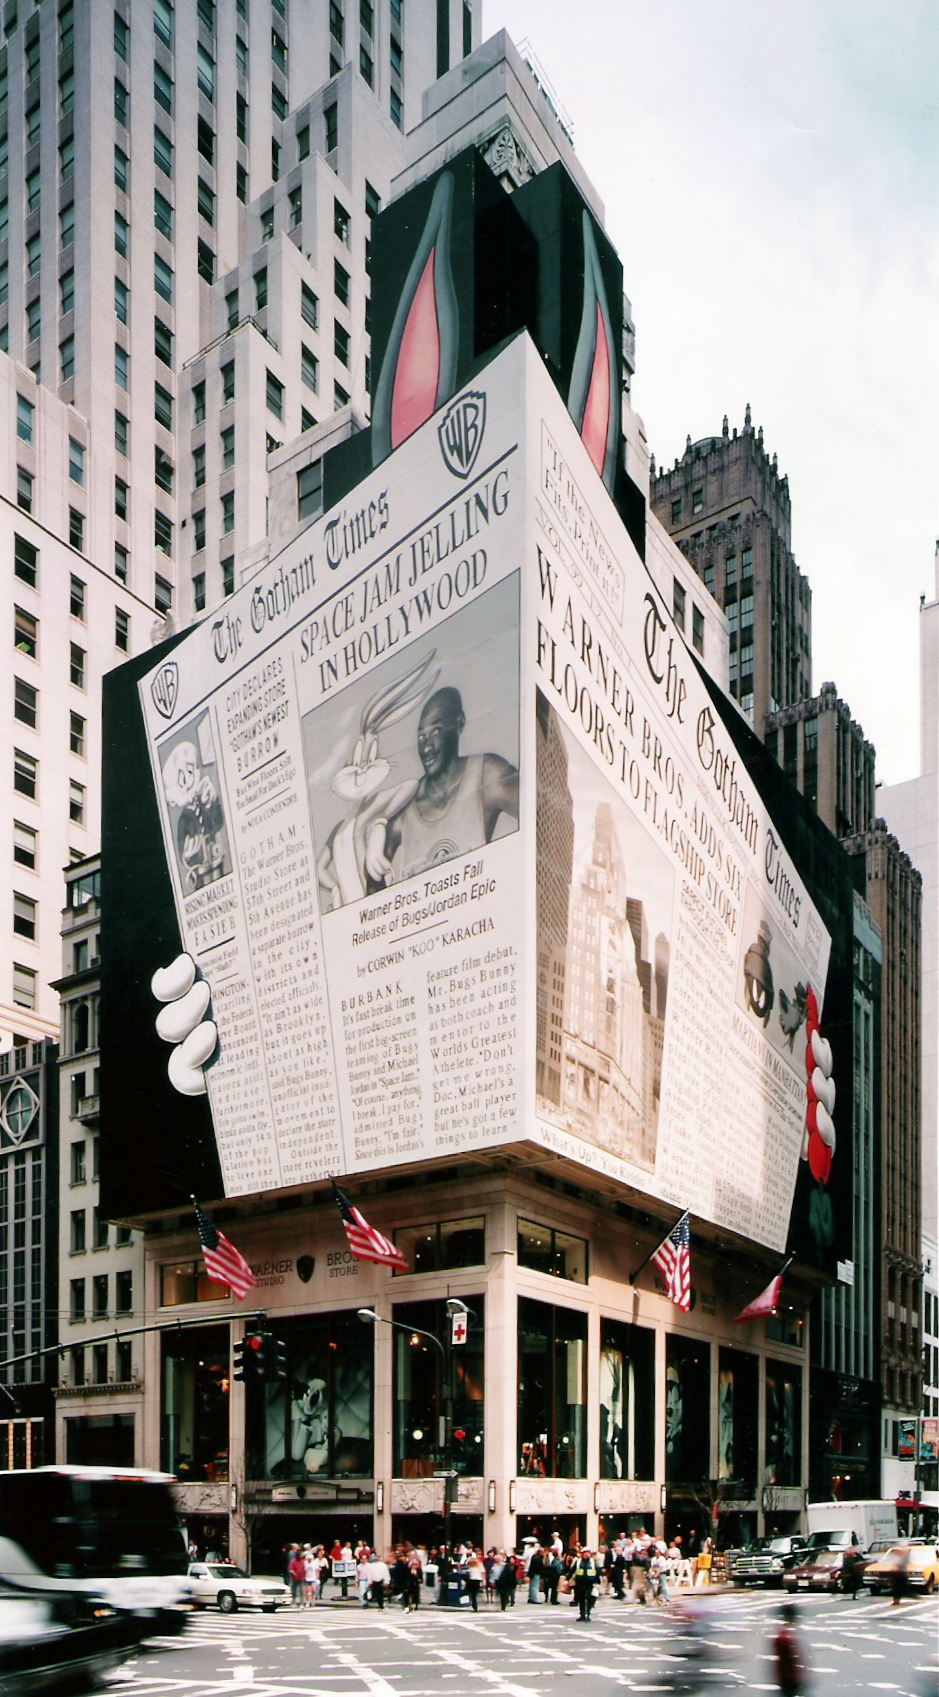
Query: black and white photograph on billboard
point(773, 986)
point(197, 818)
point(605, 895)
point(417, 763)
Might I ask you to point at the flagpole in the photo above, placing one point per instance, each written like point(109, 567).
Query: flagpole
point(634, 1276)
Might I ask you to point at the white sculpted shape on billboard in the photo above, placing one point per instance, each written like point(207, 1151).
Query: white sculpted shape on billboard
point(336, 755)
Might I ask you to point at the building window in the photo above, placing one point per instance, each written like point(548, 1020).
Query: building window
point(76, 734)
point(228, 447)
point(121, 301)
point(296, 207)
point(162, 216)
point(336, 22)
point(121, 103)
point(228, 576)
point(420, 1398)
point(697, 629)
point(678, 603)
point(67, 359)
point(206, 13)
point(205, 72)
point(34, 320)
point(25, 845)
point(205, 262)
point(310, 490)
point(206, 202)
point(228, 513)
point(163, 341)
point(396, 54)
point(241, 183)
point(163, 21)
point(275, 395)
point(121, 367)
point(163, 88)
point(25, 415)
point(309, 368)
point(198, 592)
point(33, 192)
point(260, 287)
point(341, 343)
point(124, 1292)
point(162, 471)
point(76, 462)
point(198, 402)
point(25, 633)
point(121, 235)
point(121, 36)
point(162, 596)
point(548, 1251)
point(25, 773)
point(121, 495)
point(76, 529)
point(697, 502)
point(331, 121)
point(121, 558)
point(99, 1362)
point(396, 109)
point(163, 534)
point(25, 703)
point(241, 118)
point(279, 105)
point(76, 598)
point(366, 67)
point(99, 1297)
point(303, 142)
point(198, 531)
point(198, 467)
point(340, 397)
point(341, 283)
point(76, 802)
point(342, 223)
point(309, 307)
point(241, 56)
point(66, 94)
point(231, 307)
point(24, 916)
point(163, 278)
point(24, 986)
point(24, 489)
point(76, 1304)
point(33, 255)
point(228, 383)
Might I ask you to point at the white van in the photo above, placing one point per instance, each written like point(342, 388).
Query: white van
point(867, 1519)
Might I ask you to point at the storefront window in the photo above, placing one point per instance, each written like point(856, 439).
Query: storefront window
point(783, 1423)
point(100, 1440)
point(188, 1281)
point(548, 1251)
point(552, 1390)
point(420, 1390)
point(627, 1401)
point(444, 1246)
point(195, 1403)
point(687, 1406)
point(318, 1423)
point(738, 1421)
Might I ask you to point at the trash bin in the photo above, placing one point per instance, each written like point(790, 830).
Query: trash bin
point(453, 1592)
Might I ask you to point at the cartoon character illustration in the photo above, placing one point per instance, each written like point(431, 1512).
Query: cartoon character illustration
point(818, 1141)
point(360, 782)
point(182, 1021)
point(792, 1011)
point(201, 820)
point(310, 1419)
point(758, 975)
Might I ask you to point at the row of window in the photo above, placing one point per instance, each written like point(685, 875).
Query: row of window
point(26, 698)
point(101, 1238)
point(26, 567)
point(100, 1374)
point(123, 1285)
point(26, 783)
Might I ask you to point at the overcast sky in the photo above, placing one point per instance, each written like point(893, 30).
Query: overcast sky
point(770, 174)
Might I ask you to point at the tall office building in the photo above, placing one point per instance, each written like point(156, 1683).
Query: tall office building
point(185, 197)
point(728, 509)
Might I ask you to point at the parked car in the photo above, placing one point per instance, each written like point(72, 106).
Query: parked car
point(229, 1588)
point(826, 1570)
point(880, 1547)
point(53, 1640)
point(766, 1560)
point(920, 1560)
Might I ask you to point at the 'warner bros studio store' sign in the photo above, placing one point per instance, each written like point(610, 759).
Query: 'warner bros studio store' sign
point(450, 735)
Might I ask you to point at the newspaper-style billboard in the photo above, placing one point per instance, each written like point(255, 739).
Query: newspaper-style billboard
point(461, 853)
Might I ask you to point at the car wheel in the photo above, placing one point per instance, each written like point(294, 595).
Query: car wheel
point(227, 1602)
point(930, 1585)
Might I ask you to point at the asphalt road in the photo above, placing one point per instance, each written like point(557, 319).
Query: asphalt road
point(342, 1650)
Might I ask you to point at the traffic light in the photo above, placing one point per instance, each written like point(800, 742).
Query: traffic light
point(273, 1358)
point(249, 1358)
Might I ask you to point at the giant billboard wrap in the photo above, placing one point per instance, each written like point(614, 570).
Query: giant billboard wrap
point(461, 852)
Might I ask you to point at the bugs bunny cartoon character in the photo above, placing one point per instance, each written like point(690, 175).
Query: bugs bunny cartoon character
point(341, 865)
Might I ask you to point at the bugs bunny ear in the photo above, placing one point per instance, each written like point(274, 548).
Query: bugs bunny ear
point(397, 699)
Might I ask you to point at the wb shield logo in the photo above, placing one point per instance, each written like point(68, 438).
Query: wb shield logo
point(461, 433)
point(164, 688)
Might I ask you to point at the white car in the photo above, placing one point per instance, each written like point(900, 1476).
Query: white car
point(230, 1588)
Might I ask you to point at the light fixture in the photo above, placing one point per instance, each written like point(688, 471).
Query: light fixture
point(491, 1497)
point(596, 1497)
point(511, 1496)
point(233, 1499)
point(417, 1434)
point(379, 1496)
point(663, 1498)
point(367, 1314)
point(455, 1306)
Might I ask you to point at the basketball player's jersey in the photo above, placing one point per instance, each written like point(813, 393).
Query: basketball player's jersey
point(460, 828)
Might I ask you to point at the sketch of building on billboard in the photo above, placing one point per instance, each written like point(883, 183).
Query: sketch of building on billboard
point(416, 763)
point(602, 990)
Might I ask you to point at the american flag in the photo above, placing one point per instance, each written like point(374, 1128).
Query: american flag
point(673, 1256)
point(366, 1242)
point(222, 1260)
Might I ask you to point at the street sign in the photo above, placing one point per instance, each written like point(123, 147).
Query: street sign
point(459, 1329)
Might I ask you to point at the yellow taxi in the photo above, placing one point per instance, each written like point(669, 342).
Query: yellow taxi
point(918, 1562)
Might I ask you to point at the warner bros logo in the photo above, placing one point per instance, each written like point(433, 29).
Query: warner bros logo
point(461, 432)
point(164, 688)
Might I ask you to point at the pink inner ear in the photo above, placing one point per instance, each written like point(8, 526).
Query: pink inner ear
point(597, 411)
point(418, 369)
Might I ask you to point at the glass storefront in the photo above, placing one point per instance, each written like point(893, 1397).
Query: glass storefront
point(552, 1390)
point(737, 1422)
point(783, 1423)
point(318, 1422)
point(687, 1409)
point(420, 1390)
point(627, 1401)
point(195, 1374)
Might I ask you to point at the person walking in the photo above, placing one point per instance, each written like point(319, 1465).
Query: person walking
point(551, 1578)
point(790, 1669)
point(475, 1577)
point(415, 1576)
point(381, 1577)
point(535, 1571)
point(297, 1570)
point(506, 1582)
point(586, 1580)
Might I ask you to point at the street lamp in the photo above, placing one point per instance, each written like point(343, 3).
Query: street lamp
point(454, 1306)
